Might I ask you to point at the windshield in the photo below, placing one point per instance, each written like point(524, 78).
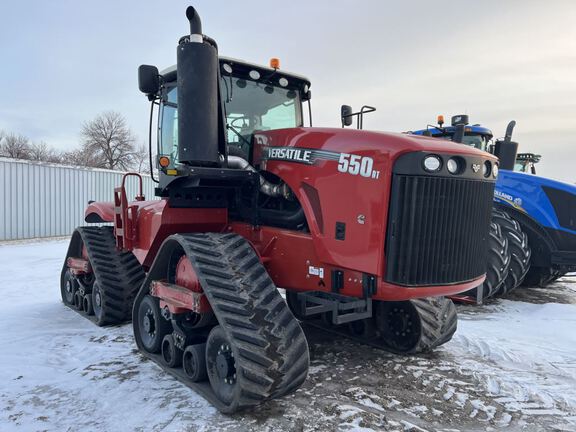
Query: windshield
point(478, 141)
point(249, 105)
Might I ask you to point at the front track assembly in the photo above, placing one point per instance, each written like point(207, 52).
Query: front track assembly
point(247, 350)
point(403, 327)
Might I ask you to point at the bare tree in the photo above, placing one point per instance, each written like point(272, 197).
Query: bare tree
point(43, 152)
point(108, 142)
point(82, 157)
point(141, 160)
point(15, 146)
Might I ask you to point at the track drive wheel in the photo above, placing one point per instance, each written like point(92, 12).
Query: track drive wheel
point(498, 262)
point(152, 326)
point(414, 326)
point(520, 252)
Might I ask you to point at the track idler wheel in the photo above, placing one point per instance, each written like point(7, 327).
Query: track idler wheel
point(221, 367)
point(194, 362)
point(68, 289)
point(171, 354)
point(415, 326)
point(151, 325)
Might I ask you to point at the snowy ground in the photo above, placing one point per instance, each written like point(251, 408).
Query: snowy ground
point(511, 366)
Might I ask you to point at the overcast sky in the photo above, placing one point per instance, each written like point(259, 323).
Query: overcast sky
point(63, 62)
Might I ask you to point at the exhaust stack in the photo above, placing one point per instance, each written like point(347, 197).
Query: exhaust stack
point(197, 81)
point(507, 149)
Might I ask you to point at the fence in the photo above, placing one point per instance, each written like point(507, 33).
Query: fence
point(46, 200)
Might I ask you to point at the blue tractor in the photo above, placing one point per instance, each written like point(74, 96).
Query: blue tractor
point(533, 237)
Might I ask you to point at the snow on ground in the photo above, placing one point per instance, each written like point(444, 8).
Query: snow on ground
point(511, 366)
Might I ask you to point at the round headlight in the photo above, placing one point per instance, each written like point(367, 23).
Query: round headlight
point(486, 168)
point(495, 170)
point(432, 163)
point(453, 166)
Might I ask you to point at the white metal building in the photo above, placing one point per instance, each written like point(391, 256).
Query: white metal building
point(39, 199)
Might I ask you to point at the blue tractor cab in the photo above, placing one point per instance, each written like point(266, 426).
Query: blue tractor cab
point(544, 208)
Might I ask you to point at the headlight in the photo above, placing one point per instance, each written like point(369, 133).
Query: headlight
point(495, 170)
point(486, 168)
point(453, 165)
point(432, 163)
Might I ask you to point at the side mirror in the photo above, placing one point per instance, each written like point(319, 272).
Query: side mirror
point(148, 79)
point(346, 115)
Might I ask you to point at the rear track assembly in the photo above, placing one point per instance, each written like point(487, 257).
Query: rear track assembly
point(108, 288)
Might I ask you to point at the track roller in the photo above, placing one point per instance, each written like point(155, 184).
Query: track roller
point(194, 362)
point(171, 354)
point(87, 305)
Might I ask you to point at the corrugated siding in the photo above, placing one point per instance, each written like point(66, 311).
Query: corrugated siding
point(46, 200)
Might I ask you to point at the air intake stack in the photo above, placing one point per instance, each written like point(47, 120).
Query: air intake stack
point(197, 80)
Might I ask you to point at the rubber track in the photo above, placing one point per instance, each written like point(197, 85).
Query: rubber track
point(519, 251)
point(438, 319)
point(119, 274)
point(498, 262)
point(273, 356)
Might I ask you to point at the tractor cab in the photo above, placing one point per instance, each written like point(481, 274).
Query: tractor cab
point(254, 98)
point(475, 136)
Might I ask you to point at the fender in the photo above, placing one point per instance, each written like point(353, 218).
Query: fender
point(526, 193)
point(99, 212)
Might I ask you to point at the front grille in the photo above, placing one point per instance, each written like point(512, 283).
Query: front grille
point(437, 229)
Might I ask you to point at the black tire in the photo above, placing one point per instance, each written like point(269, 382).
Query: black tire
point(152, 326)
point(117, 275)
point(541, 276)
point(171, 354)
point(520, 251)
point(194, 362)
point(68, 288)
point(498, 263)
point(270, 350)
point(416, 326)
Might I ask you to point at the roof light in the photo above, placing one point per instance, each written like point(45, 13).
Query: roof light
point(275, 63)
point(440, 120)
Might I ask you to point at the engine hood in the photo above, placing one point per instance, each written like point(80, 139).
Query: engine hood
point(358, 141)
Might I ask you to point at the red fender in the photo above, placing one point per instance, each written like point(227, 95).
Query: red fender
point(98, 212)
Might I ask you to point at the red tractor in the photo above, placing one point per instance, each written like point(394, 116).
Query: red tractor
point(365, 231)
